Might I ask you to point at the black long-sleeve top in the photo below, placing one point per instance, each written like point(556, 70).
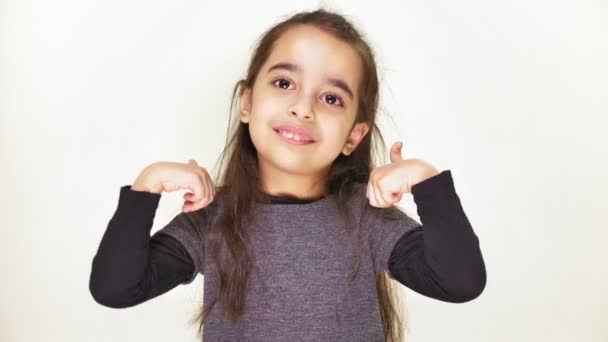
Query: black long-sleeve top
point(423, 258)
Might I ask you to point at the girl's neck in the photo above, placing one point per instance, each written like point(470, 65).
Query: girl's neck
point(279, 195)
point(289, 199)
point(300, 187)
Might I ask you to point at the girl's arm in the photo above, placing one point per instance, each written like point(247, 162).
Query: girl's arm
point(441, 258)
point(131, 267)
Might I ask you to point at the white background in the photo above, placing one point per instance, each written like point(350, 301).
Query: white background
point(509, 95)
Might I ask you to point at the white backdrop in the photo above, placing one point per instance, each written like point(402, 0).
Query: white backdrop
point(509, 95)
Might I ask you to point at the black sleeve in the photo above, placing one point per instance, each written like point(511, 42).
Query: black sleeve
point(440, 259)
point(130, 267)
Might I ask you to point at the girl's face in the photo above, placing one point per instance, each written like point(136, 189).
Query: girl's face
point(310, 82)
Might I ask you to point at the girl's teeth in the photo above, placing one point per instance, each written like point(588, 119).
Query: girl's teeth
point(290, 135)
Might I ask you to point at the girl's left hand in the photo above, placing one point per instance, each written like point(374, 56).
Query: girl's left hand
point(389, 182)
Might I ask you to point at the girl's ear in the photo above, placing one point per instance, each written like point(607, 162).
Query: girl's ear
point(245, 105)
point(355, 137)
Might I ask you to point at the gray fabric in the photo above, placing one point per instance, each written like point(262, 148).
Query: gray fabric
point(303, 259)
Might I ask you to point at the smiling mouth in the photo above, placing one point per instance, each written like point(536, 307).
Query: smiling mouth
point(292, 138)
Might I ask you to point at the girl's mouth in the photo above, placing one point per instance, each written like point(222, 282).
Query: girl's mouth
point(292, 138)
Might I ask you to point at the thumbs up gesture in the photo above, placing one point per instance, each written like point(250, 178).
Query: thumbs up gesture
point(389, 182)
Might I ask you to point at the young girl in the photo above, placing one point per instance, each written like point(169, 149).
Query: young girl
point(302, 240)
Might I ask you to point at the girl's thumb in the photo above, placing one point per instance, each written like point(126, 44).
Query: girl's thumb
point(396, 151)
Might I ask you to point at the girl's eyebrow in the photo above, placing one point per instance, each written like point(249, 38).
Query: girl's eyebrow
point(336, 82)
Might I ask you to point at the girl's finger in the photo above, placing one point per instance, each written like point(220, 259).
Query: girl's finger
point(385, 196)
point(397, 196)
point(369, 193)
point(388, 197)
point(196, 187)
point(190, 202)
point(198, 170)
point(207, 189)
point(392, 198)
point(374, 196)
point(379, 198)
point(209, 183)
point(187, 206)
point(195, 190)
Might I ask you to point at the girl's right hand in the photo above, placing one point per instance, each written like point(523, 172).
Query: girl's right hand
point(171, 176)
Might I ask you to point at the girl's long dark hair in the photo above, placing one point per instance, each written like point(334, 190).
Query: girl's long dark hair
point(238, 183)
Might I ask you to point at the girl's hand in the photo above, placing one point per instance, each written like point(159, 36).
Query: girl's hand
point(171, 176)
point(389, 182)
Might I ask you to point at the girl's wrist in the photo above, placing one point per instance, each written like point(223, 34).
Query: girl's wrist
point(426, 171)
point(146, 181)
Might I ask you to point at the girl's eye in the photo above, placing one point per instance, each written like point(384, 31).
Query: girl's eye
point(332, 98)
point(284, 81)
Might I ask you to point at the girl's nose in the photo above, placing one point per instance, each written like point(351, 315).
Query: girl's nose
point(302, 109)
point(304, 115)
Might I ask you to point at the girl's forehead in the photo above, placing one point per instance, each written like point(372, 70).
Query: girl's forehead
point(315, 53)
